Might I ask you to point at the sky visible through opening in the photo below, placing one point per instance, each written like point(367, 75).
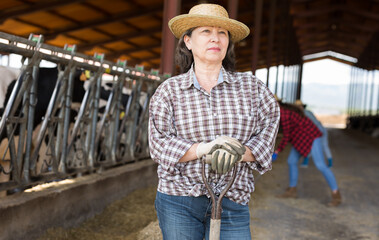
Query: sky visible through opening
point(325, 85)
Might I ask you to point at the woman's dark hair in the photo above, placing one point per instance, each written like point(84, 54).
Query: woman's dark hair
point(184, 57)
point(292, 107)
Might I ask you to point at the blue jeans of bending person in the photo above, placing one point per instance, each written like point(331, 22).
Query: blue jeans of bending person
point(325, 144)
point(319, 161)
point(325, 147)
point(188, 218)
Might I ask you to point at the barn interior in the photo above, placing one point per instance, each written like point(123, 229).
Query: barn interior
point(285, 35)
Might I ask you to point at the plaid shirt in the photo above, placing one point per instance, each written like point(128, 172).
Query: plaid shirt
point(182, 114)
point(299, 131)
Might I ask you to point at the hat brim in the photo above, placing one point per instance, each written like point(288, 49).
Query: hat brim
point(179, 24)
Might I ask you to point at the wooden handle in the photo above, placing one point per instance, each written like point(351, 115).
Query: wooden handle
point(214, 232)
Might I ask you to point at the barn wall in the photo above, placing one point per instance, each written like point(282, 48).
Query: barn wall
point(29, 214)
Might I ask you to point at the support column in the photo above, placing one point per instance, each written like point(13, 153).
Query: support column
point(170, 10)
point(277, 79)
point(350, 94)
point(257, 34)
point(299, 81)
point(270, 37)
point(233, 8)
point(370, 107)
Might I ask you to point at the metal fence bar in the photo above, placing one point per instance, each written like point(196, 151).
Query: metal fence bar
point(95, 141)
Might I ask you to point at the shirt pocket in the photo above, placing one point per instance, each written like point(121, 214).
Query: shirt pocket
point(241, 127)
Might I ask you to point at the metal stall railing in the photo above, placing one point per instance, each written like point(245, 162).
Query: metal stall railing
point(363, 101)
point(288, 79)
point(68, 141)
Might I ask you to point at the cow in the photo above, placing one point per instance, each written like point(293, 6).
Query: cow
point(7, 76)
point(46, 81)
point(47, 78)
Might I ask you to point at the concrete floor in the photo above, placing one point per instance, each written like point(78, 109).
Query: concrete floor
point(356, 165)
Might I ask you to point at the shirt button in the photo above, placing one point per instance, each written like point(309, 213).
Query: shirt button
point(215, 114)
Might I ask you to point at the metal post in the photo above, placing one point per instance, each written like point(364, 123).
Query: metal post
point(356, 91)
point(361, 91)
point(95, 110)
point(371, 98)
point(300, 81)
point(377, 96)
point(257, 34)
point(31, 112)
point(289, 84)
point(233, 8)
point(66, 123)
point(283, 81)
point(277, 79)
point(270, 37)
point(349, 107)
point(366, 93)
point(170, 10)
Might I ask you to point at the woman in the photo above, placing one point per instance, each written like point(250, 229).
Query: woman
point(209, 110)
point(305, 138)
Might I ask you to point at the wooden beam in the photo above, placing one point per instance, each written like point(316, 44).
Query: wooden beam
point(43, 6)
point(43, 28)
point(96, 22)
point(115, 54)
point(122, 37)
point(315, 11)
point(333, 36)
point(333, 8)
point(361, 12)
point(348, 52)
point(316, 24)
point(329, 57)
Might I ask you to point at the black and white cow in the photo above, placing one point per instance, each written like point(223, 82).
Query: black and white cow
point(47, 78)
point(7, 76)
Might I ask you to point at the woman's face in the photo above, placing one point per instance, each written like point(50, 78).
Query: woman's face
point(208, 44)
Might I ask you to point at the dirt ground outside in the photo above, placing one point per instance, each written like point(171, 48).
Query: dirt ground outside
point(356, 166)
point(333, 121)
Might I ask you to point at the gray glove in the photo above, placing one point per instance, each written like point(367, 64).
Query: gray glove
point(222, 161)
point(230, 144)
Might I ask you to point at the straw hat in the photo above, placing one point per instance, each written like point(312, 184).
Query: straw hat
point(208, 15)
point(299, 102)
point(277, 98)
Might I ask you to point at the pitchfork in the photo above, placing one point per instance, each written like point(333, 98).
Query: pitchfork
point(214, 232)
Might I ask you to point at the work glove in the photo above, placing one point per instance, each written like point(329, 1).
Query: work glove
point(230, 144)
point(274, 156)
point(222, 161)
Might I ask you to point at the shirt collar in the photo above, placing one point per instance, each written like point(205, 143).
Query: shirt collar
point(190, 78)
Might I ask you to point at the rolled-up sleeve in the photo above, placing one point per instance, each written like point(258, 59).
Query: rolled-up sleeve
point(262, 142)
point(166, 148)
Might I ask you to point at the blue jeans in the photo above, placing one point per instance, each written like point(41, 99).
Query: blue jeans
point(188, 218)
point(319, 161)
point(325, 144)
